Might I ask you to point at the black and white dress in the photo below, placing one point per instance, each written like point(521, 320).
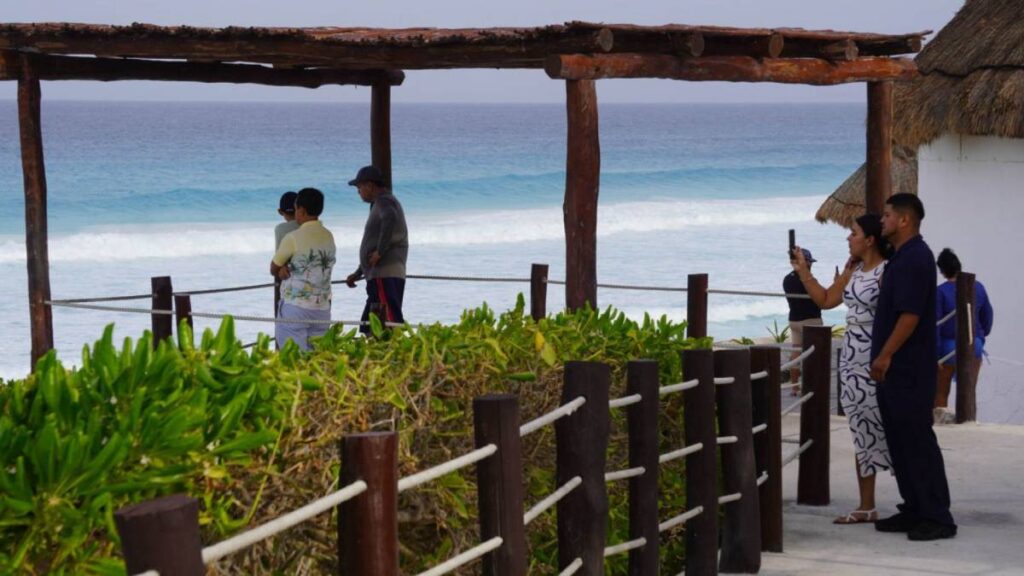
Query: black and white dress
point(859, 398)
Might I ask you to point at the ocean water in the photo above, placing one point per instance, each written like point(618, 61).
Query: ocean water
point(190, 190)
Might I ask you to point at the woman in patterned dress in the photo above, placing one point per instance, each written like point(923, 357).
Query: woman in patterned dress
point(858, 286)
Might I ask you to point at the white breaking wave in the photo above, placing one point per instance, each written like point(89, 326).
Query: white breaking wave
point(464, 228)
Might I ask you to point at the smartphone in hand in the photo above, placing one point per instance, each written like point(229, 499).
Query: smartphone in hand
point(792, 244)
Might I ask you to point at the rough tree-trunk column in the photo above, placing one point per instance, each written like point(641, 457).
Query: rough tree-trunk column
point(878, 184)
point(582, 178)
point(37, 253)
point(380, 129)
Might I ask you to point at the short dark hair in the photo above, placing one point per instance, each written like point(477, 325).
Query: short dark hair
point(906, 202)
point(948, 263)
point(287, 203)
point(312, 200)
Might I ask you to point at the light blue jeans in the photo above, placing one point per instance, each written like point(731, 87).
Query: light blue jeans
point(299, 333)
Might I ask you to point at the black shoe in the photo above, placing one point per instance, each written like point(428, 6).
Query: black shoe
point(899, 522)
point(927, 531)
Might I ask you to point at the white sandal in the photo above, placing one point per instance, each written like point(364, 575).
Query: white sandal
point(858, 517)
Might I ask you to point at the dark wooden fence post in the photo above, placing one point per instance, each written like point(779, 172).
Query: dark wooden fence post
point(368, 523)
point(966, 401)
point(701, 466)
point(163, 300)
point(878, 168)
point(499, 481)
point(697, 305)
point(162, 535)
point(581, 443)
point(539, 291)
point(741, 523)
point(34, 177)
point(767, 408)
point(813, 480)
point(183, 310)
point(642, 420)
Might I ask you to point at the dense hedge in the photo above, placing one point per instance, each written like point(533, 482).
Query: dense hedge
point(253, 432)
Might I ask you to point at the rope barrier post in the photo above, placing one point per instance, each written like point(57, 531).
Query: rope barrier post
point(368, 524)
point(697, 306)
point(499, 482)
point(183, 310)
point(813, 481)
point(701, 466)
point(163, 299)
point(642, 421)
point(538, 291)
point(766, 407)
point(839, 386)
point(581, 440)
point(277, 296)
point(741, 525)
point(162, 535)
point(966, 407)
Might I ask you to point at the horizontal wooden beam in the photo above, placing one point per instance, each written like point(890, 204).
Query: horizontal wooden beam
point(434, 48)
point(728, 68)
point(47, 67)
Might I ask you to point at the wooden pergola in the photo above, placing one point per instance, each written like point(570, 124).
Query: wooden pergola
point(577, 52)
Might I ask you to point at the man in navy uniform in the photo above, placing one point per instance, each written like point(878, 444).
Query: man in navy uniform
point(903, 364)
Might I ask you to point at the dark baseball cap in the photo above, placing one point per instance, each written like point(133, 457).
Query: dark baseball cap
point(807, 255)
point(287, 203)
point(367, 174)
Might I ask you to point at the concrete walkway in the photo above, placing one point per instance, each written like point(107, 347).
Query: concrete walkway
point(985, 467)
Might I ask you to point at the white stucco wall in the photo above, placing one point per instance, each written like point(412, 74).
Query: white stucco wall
point(973, 191)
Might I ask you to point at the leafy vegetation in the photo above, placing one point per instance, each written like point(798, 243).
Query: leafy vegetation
point(252, 433)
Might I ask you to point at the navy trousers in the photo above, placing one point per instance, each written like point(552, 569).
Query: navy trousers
point(917, 462)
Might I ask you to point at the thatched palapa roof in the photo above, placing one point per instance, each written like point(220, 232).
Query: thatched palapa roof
point(971, 82)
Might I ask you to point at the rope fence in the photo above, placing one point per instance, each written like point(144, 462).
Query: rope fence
point(552, 499)
point(722, 411)
point(431, 474)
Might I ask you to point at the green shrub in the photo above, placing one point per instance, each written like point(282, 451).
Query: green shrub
point(253, 433)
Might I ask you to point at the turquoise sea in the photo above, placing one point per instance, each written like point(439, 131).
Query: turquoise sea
point(190, 190)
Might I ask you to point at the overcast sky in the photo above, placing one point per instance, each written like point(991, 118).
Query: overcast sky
point(887, 16)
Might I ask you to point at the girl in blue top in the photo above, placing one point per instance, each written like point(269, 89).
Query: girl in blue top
point(945, 302)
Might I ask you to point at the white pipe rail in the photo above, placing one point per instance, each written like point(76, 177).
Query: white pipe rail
point(947, 357)
point(797, 404)
point(793, 295)
point(680, 519)
point(724, 380)
point(680, 387)
point(762, 478)
point(790, 385)
point(722, 440)
point(572, 567)
point(758, 375)
point(676, 454)
point(624, 474)
point(625, 401)
point(729, 498)
point(564, 410)
point(552, 499)
point(464, 558)
point(796, 453)
point(946, 318)
point(281, 523)
point(436, 472)
point(759, 428)
point(799, 359)
point(625, 547)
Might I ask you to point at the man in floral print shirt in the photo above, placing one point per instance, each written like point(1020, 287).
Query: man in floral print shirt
point(303, 263)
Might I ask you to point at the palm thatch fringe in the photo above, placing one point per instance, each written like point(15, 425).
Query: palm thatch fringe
point(847, 202)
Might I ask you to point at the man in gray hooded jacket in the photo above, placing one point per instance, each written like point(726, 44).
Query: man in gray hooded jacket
point(383, 250)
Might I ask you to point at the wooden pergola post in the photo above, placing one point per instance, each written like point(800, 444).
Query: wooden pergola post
point(582, 179)
point(34, 171)
point(380, 129)
point(878, 181)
